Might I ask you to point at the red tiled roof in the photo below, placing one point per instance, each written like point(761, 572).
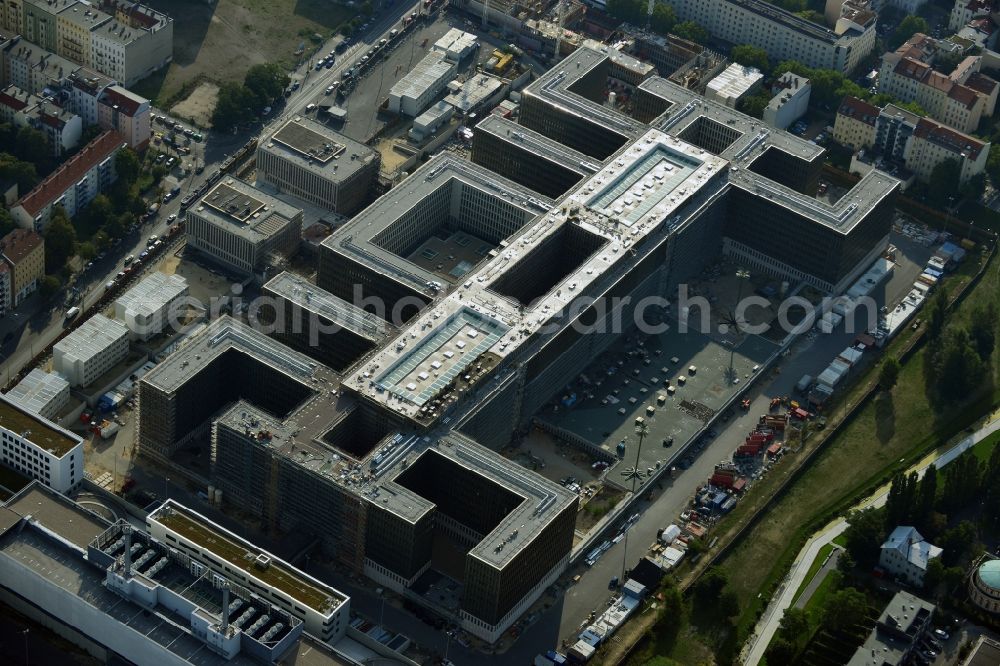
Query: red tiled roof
point(69, 173)
point(949, 138)
point(18, 244)
point(981, 83)
point(858, 109)
point(114, 97)
point(963, 95)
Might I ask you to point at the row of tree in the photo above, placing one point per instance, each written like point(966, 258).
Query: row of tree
point(957, 358)
point(243, 103)
point(662, 20)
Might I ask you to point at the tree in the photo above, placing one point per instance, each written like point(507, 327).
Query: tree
point(21, 172)
point(934, 575)
point(87, 251)
point(754, 105)
point(692, 31)
point(926, 499)
point(728, 603)
point(844, 608)
point(962, 482)
point(845, 564)
point(60, 241)
point(781, 651)
point(794, 625)
point(265, 82)
point(944, 182)
point(32, 146)
point(234, 105)
point(865, 533)
point(888, 374)
point(899, 503)
point(982, 329)
point(936, 311)
point(710, 585)
point(956, 368)
point(664, 18)
point(127, 166)
point(48, 287)
point(958, 543)
point(7, 223)
point(812, 15)
point(750, 56)
point(993, 163)
point(909, 26)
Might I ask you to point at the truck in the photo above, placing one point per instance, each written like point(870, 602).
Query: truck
point(72, 313)
point(803, 384)
point(106, 429)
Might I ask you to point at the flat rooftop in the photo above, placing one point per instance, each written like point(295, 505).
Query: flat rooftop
point(58, 513)
point(590, 210)
point(244, 210)
point(314, 146)
point(318, 301)
point(242, 555)
point(538, 144)
point(356, 239)
point(38, 555)
point(37, 390)
point(40, 431)
point(554, 85)
point(225, 334)
point(841, 216)
point(91, 338)
point(152, 293)
point(442, 355)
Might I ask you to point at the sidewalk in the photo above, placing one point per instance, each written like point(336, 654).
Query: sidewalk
point(768, 624)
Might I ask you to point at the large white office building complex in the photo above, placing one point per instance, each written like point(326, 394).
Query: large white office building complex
point(38, 448)
point(91, 350)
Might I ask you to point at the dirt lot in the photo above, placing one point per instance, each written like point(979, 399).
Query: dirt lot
point(199, 105)
point(219, 41)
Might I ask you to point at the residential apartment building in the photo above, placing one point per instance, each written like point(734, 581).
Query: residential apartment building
point(5, 298)
point(38, 448)
point(40, 24)
point(933, 143)
point(85, 87)
point(790, 102)
point(965, 10)
point(133, 45)
point(12, 15)
point(73, 185)
point(24, 253)
point(893, 132)
point(126, 113)
point(76, 24)
point(908, 74)
point(61, 128)
point(91, 350)
point(905, 555)
point(784, 35)
point(854, 125)
point(33, 68)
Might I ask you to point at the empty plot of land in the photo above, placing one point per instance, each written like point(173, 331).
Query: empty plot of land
point(219, 41)
point(199, 105)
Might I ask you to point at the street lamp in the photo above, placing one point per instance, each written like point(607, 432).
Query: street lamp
point(741, 275)
point(640, 430)
point(25, 633)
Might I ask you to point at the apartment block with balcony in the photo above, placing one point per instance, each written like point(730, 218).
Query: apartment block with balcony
point(73, 185)
point(23, 252)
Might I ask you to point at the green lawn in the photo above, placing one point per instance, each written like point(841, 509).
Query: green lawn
point(841, 541)
point(813, 568)
point(984, 449)
point(890, 433)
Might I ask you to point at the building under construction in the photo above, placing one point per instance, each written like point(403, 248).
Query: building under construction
point(471, 300)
